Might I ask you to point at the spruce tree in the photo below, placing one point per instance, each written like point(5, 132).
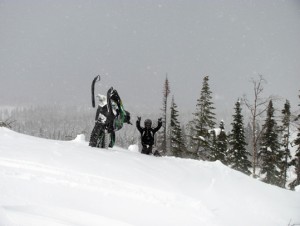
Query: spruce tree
point(204, 120)
point(237, 156)
point(296, 160)
point(285, 133)
point(220, 145)
point(270, 149)
point(177, 141)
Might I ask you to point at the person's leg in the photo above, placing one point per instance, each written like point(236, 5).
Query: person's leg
point(147, 149)
point(144, 149)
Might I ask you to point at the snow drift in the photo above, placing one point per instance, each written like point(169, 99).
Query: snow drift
point(66, 183)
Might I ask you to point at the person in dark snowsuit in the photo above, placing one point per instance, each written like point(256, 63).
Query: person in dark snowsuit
point(110, 114)
point(147, 134)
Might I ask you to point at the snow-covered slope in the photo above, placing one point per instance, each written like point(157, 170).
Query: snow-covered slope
point(59, 183)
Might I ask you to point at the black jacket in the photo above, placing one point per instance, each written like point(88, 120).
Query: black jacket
point(147, 134)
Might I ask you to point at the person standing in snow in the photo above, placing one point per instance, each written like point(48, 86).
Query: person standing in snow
point(147, 134)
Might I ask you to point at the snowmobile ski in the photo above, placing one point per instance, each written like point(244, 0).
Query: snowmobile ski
point(96, 79)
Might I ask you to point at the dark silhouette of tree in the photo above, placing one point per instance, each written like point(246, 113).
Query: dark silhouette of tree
point(177, 147)
point(270, 152)
point(237, 156)
point(285, 134)
point(296, 160)
point(219, 144)
point(204, 120)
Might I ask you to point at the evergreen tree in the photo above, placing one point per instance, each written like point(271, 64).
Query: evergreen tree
point(285, 132)
point(270, 149)
point(204, 120)
point(237, 156)
point(219, 145)
point(177, 141)
point(296, 160)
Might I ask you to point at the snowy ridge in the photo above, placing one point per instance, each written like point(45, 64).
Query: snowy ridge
point(60, 183)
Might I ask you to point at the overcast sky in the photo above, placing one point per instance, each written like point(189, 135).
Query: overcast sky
point(50, 50)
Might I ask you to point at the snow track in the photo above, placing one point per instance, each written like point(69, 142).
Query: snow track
point(47, 216)
point(51, 175)
point(45, 174)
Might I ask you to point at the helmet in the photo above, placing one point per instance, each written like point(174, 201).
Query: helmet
point(148, 123)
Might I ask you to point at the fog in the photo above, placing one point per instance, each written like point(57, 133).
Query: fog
point(51, 50)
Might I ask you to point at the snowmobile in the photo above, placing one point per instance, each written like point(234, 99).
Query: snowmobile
point(110, 117)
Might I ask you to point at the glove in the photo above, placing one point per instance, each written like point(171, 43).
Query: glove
point(160, 120)
point(139, 118)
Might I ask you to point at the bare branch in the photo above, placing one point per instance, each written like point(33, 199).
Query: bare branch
point(257, 109)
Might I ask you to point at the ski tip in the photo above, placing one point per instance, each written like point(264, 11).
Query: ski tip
point(97, 79)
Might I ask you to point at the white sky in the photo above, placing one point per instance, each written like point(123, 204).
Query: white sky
point(51, 50)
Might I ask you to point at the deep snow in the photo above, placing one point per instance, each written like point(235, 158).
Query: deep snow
point(67, 183)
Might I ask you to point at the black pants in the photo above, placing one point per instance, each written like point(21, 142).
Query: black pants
point(147, 149)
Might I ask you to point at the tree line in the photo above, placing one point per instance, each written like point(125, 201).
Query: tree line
point(261, 148)
point(56, 122)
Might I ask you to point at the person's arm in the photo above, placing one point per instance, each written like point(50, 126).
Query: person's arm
point(138, 125)
point(159, 124)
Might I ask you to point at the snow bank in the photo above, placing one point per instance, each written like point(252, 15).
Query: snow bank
point(134, 148)
point(61, 183)
point(80, 138)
